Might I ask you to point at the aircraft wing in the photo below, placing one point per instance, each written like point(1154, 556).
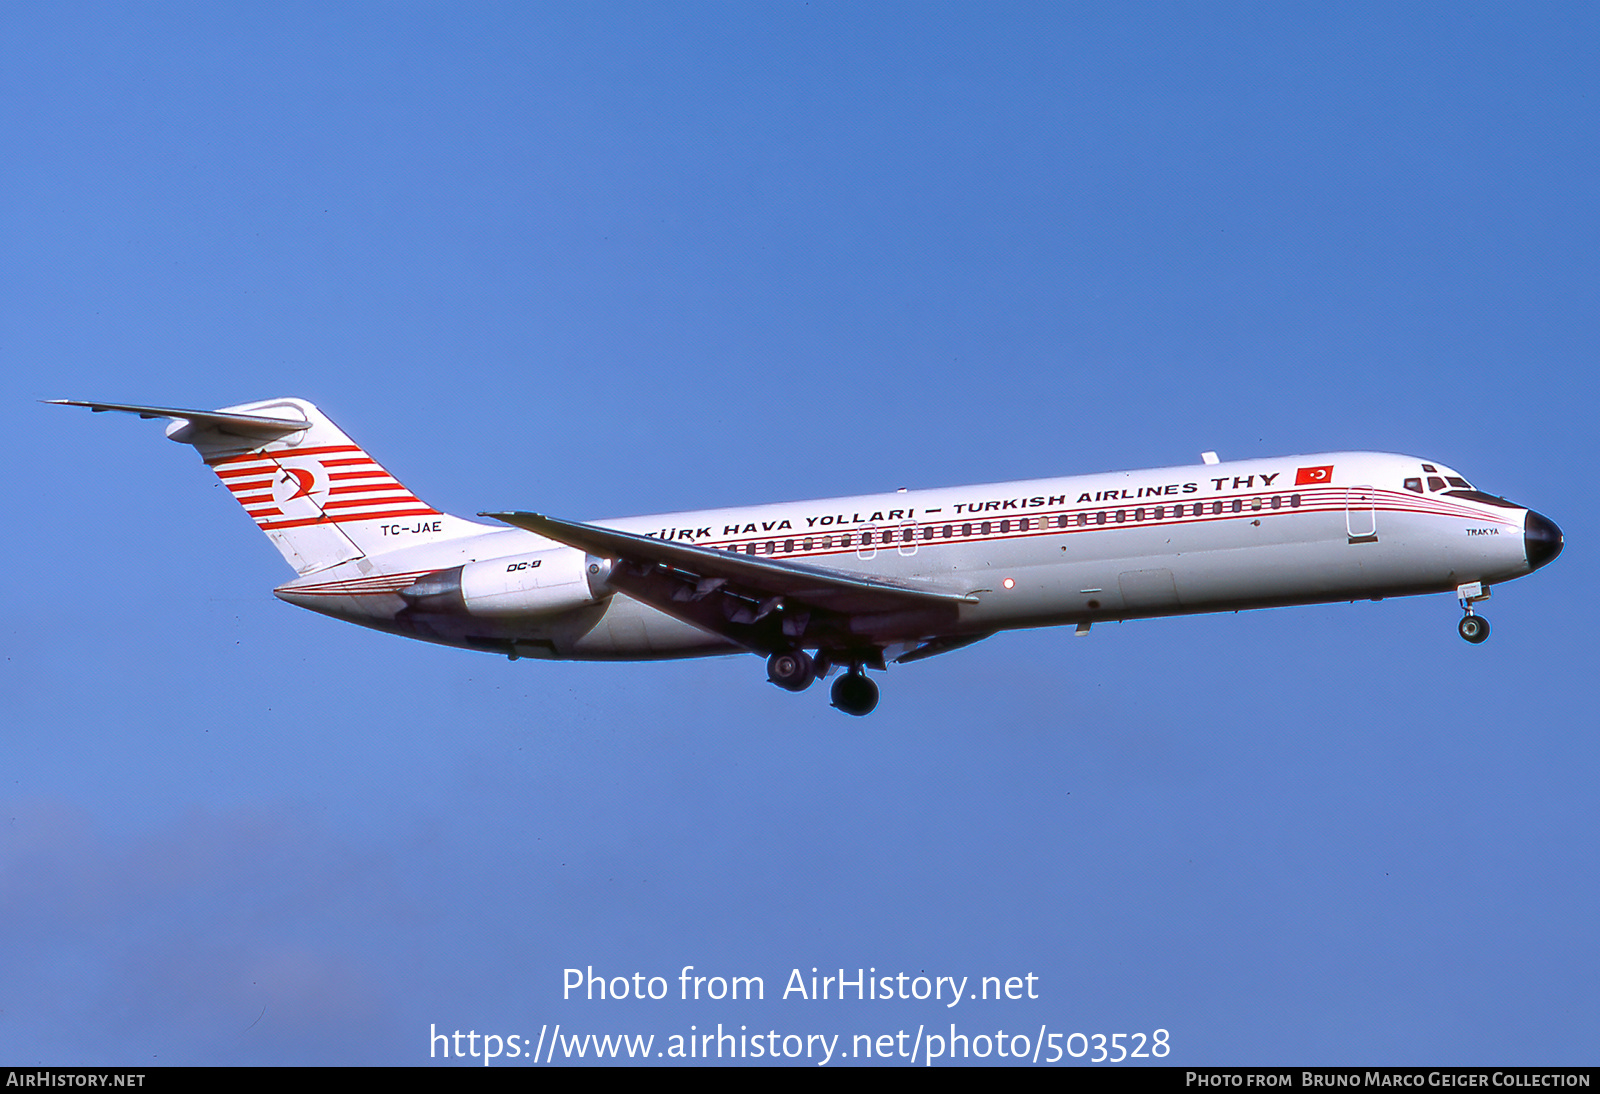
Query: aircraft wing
point(761, 603)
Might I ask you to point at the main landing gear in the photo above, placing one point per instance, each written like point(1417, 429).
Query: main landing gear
point(1474, 628)
point(854, 693)
point(794, 670)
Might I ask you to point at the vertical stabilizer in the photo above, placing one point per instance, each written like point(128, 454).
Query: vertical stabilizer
point(316, 493)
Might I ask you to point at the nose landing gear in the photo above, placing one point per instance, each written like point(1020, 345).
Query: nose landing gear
point(1474, 628)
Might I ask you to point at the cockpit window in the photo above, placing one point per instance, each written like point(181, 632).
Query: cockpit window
point(1462, 483)
point(1435, 483)
point(1414, 485)
point(1429, 468)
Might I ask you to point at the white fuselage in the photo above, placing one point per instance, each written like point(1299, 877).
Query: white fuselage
point(853, 583)
point(1113, 546)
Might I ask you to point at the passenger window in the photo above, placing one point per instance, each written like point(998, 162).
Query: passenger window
point(788, 546)
point(806, 543)
point(1237, 505)
point(1122, 515)
point(1277, 502)
point(1100, 517)
point(947, 531)
point(1005, 527)
point(966, 530)
point(983, 529)
point(1138, 514)
point(1294, 501)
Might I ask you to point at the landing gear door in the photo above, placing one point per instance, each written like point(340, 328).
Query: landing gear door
point(1361, 514)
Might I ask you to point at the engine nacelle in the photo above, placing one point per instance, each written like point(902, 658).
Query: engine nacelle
point(540, 583)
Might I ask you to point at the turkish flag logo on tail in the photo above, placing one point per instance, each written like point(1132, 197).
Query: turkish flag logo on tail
point(1314, 476)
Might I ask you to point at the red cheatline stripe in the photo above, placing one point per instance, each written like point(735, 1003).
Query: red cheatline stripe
point(244, 486)
point(1406, 501)
point(395, 499)
point(406, 575)
point(255, 499)
point(244, 472)
point(365, 487)
point(1328, 501)
point(367, 492)
point(385, 583)
point(274, 453)
point(274, 525)
point(367, 582)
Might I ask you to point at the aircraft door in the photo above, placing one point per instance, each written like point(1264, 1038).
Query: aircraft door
point(1361, 514)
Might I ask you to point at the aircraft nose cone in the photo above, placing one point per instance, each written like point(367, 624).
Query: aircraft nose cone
point(1541, 539)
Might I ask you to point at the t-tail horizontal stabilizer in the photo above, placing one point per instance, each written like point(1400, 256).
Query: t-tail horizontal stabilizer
point(260, 428)
point(315, 493)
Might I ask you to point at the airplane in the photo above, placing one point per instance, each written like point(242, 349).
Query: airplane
point(849, 584)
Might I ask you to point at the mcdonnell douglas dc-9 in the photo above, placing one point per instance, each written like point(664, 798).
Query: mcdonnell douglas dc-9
point(854, 583)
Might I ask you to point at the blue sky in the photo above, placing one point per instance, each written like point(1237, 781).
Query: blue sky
point(598, 260)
